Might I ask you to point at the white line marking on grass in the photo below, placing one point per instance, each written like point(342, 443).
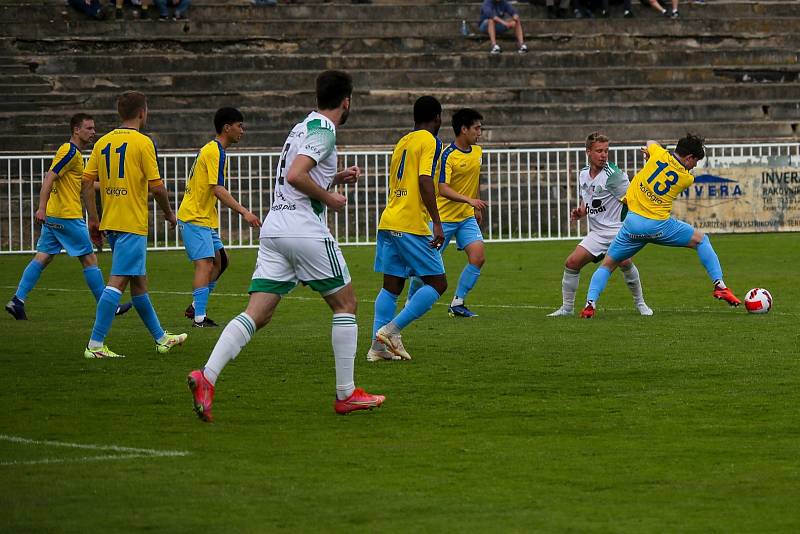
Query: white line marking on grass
point(707, 309)
point(128, 452)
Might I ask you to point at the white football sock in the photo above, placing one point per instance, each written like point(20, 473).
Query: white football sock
point(457, 302)
point(720, 284)
point(234, 337)
point(569, 286)
point(344, 336)
point(631, 277)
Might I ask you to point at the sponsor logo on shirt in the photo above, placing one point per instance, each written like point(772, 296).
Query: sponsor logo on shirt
point(116, 191)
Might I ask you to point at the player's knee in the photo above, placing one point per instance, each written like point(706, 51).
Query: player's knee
point(224, 261)
point(439, 284)
point(477, 260)
point(87, 260)
point(697, 238)
point(572, 264)
point(626, 265)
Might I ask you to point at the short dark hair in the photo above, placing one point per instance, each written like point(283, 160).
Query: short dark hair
point(426, 109)
point(465, 117)
point(333, 86)
point(77, 120)
point(225, 116)
point(691, 144)
point(595, 137)
point(130, 103)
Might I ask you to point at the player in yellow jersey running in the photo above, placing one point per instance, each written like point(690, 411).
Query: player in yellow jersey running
point(460, 206)
point(61, 215)
point(405, 246)
point(125, 161)
point(649, 198)
point(198, 218)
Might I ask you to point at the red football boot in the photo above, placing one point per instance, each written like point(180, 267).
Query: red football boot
point(203, 393)
point(588, 312)
point(359, 400)
point(727, 295)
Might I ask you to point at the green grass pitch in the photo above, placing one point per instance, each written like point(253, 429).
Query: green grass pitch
point(686, 421)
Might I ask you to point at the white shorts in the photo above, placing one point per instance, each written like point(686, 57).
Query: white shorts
point(284, 261)
point(597, 243)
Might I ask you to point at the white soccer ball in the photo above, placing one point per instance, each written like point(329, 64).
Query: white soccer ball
point(758, 300)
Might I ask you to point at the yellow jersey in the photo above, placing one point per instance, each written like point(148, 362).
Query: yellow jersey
point(125, 161)
point(415, 155)
point(65, 196)
point(660, 182)
point(199, 205)
point(461, 171)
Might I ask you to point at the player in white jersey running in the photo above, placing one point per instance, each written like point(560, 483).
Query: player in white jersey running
point(297, 246)
point(602, 188)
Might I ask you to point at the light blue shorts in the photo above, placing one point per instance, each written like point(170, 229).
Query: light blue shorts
point(129, 253)
point(405, 255)
point(637, 231)
point(199, 241)
point(70, 234)
point(466, 232)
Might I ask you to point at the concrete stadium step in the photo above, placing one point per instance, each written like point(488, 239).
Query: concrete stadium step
point(517, 136)
point(393, 79)
point(63, 104)
point(97, 65)
point(366, 118)
point(64, 45)
point(235, 12)
point(399, 27)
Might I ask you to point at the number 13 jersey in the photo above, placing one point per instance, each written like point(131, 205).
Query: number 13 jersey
point(660, 182)
point(293, 213)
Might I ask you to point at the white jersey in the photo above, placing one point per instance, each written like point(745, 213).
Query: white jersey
point(603, 196)
point(293, 213)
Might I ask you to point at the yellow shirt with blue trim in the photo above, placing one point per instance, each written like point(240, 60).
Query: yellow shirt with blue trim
point(65, 196)
point(199, 205)
point(660, 182)
point(460, 170)
point(415, 155)
point(125, 161)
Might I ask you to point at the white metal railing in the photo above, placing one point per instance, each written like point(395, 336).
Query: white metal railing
point(530, 192)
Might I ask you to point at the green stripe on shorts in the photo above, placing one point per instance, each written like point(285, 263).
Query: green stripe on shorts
point(321, 286)
point(262, 285)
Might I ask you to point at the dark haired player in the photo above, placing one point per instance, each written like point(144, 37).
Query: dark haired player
point(61, 215)
point(649, 199)
point(198, 218)
point(297, 246)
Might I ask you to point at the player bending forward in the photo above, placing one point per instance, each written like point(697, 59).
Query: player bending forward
point(296, 245)
point(649, 200)
point(602, 187)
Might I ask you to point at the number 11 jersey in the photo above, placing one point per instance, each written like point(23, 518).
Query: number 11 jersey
point(293, 213)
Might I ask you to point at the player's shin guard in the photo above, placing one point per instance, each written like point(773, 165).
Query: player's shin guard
point(94, 279)
point(344, 336)
point(423, 301)
point(200, 296)
point(569, 286)
point(106, 308)
point(234, 337)
point(709, 259)
point(633, 282)
point(414, 283)
point(145, 310)
point(467, 280)
point(29, 278)
point(598, 283)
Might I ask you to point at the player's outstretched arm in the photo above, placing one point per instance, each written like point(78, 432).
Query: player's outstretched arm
point(159, 192)
point(451, 194)
point(44, 196)
point(227, 199)
point(299, 178)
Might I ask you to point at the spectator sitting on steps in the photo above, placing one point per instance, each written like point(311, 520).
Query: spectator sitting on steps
point(658, 7)
point(90, 8)
point(181, 9)
point(497, 16)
